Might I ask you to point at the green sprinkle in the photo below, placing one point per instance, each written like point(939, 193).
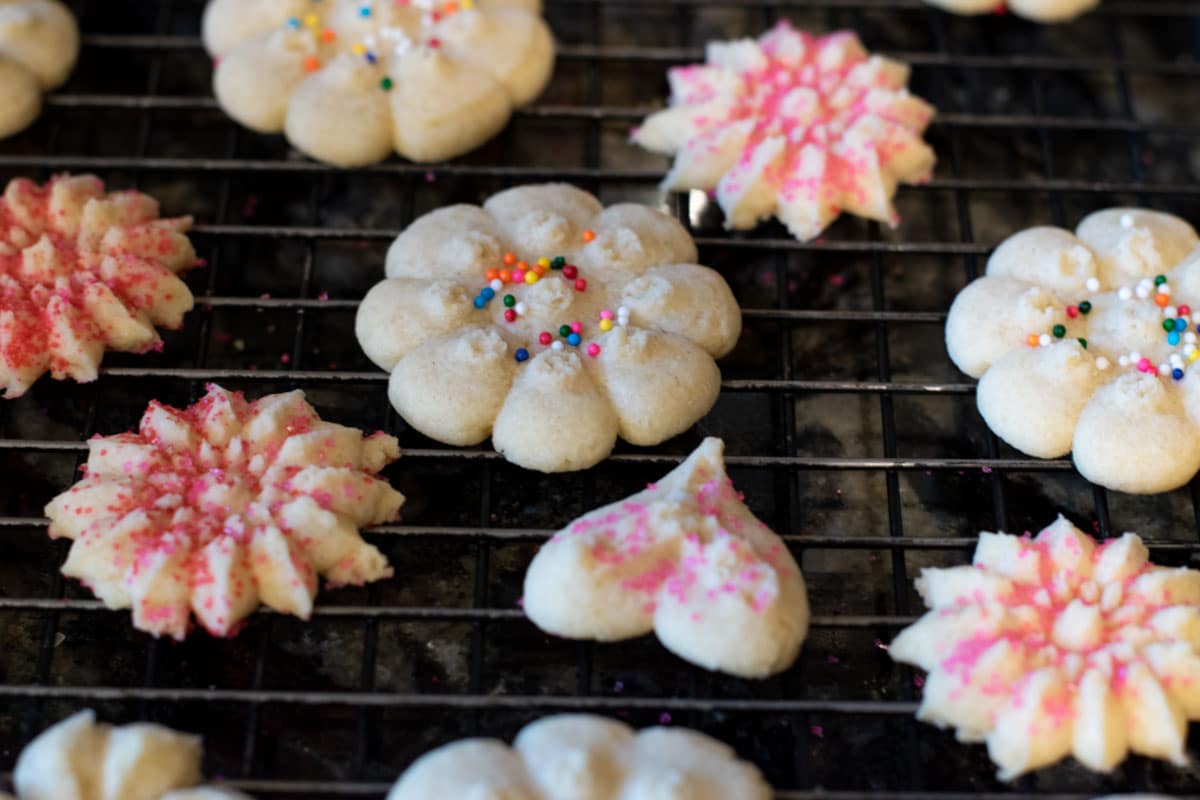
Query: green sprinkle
point(1159, 280)
point(1085, 307)
point(1168, 325)
point(564, 331)
point(1083, 343)
point(558, 263)
point(1059, 331)
point(509, 301)
point(386, 84)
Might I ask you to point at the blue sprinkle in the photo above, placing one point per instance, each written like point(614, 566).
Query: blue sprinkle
point(293, 22)
point(371, 58)
point(480, 302)
point(1181, 324)
point(488, 293)
point(365, 11)
point(574, 340)
point(522, 355)
point(1177, 374)
point(1172, 339)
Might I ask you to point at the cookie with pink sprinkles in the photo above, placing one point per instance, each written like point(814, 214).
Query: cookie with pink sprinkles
point(82, 271)
point(1047, 11)
point(686, 559)
point(794, 126)
point(1059, 645)
point(215, 509)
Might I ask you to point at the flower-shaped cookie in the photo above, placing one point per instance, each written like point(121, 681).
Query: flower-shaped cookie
point(80, 759)
point(348, 81)
point(1087, 342)
point(584, 756)
point(794, 126)
point(39, 42)
point(215, 508)
point(1036, 10)
point(82, 271)
point(1057, 646)
point(686, 559)
point(550, 323)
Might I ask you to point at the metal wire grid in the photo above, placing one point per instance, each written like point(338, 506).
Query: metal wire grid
point(776, 722)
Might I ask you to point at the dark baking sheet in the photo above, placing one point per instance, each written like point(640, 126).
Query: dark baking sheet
point(848, 427)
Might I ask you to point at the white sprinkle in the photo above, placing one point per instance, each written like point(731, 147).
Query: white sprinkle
point(1190, 337)
point(520, 308)
point(1125, 293)
point(1122, 361)
point(1143, 291)
point(556, 346)
point(623, 321)
point(622, 312)
point(1165, 289)
point(1127, 220)
point(1164, 369)
point(1044, 340)
point(1135, 357)
point(1101, 363)
point(1169, 311)
point(1196, 316)
point(1093, 285)
point(1176, 360)
point(496, 285)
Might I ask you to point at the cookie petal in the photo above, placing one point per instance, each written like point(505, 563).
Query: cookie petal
point(1133, 436)
point(1033, 397)
point(631, 238)
point(255, 80)
point(514, 46)
point(687, 300)
point(399, 315)
point(657, 383)
point(547, 220)
point(1134, 243)
point(1051, 257)
point(339, 115)
point(442, 107)
point(994, 316)
point(555, 418)
point(452, 388)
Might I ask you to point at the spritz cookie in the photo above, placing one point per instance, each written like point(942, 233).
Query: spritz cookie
point(39, 44)
point(81, 759)
point(550, 323)
point(216, 508)
point(83, 271)
point(686, 559)
point(349, 81)
point(1036, 10)
point(584, 756)
point(1060, 645)
point(794, 126)
point(1086, 343)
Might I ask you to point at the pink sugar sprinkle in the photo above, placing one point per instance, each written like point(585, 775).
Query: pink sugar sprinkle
point(818, 731)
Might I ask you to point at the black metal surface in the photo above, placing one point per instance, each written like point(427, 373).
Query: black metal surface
point(847, 426)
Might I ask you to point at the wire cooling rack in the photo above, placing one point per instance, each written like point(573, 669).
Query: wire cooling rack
point(846, 425)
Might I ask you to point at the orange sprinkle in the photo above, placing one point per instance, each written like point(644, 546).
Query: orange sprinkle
point(506, 275)
point(509, 259)
point(493, 274)
point(589, 235)
point(327, 35)
point(539, 269)
point(523, 266)
point(312, 64)
point(451, 6)
point(1161, 300)
point(1032, 340)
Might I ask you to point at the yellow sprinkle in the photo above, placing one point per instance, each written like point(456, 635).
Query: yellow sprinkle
point(467, 4)
point(606, 324)
point(1195, 354)
point(531, 277)
point(545, 262)
point(359, 49)
point(312, 21)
